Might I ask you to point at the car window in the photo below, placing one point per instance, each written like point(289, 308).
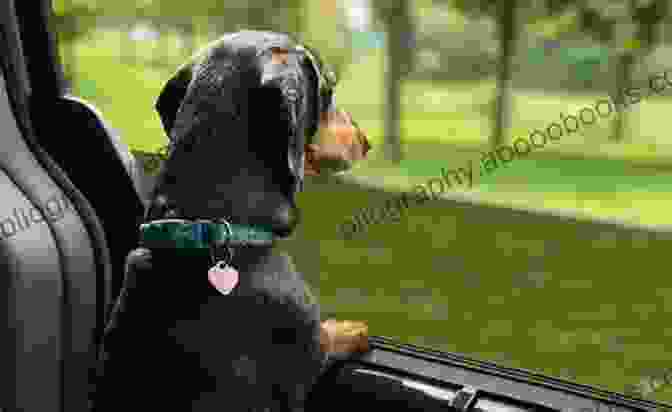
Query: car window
point(514, 207)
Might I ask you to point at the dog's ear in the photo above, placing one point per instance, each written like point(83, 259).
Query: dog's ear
point(169, 101)
point(284, 75)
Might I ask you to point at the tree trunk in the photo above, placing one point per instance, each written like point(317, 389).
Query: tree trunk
point(69, 49)
point(392, 102)
point(294, 13)
point(188, 30)
point(256, 17)
point(69, 60)
point(506, 24)
point(624, 66)
point(398, 22)
point(646, 32)
point(128, 49)
point(623, 80)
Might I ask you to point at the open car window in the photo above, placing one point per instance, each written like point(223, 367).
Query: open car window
point(543, 250)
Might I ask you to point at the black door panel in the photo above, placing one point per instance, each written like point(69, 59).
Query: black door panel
point(414, 378)
point(355, 386)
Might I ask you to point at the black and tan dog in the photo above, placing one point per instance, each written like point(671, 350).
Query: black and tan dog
point(210, 317)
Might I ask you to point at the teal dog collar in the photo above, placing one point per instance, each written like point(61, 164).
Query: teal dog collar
point(201, 234)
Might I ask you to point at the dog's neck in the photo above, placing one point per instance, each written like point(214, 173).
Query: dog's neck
point(240, 188)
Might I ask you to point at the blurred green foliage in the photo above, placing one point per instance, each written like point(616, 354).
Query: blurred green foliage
point(306, 20)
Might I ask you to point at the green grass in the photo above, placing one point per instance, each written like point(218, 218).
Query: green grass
point(444, 279)
point(547, 297)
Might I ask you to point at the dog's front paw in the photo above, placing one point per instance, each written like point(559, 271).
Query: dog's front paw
point(342, 337)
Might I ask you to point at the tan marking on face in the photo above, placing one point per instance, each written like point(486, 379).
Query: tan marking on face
point(279, 55)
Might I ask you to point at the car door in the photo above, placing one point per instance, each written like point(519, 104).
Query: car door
point(392, 375)
point(401, 376)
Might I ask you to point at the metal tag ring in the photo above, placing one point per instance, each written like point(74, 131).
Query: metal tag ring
point(214, 246)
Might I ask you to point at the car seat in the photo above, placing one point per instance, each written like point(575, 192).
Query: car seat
point(55, 261)
point(80, 142)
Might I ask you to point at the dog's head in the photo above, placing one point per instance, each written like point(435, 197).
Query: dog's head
point(248, 117)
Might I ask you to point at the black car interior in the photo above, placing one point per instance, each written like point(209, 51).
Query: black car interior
point(61, 267)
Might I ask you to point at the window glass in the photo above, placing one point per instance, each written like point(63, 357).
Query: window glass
point(514, 205)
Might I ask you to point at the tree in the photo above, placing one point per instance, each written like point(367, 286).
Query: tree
point(398, 22)
point(72, 19)
point(603, 24)
point(506, 28)
point(75, 18)
point(324, 27)
point(504, 12)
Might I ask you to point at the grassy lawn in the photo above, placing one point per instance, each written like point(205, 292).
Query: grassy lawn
point(598, 186)
point(548, 297)
point(442, 280)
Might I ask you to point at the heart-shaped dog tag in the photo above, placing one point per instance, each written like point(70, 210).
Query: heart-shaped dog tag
point(223, 277)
